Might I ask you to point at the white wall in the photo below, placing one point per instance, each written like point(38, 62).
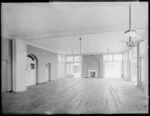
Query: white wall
point(100, 58)
point(6, 65)
point(90, 63)
point(44, 57)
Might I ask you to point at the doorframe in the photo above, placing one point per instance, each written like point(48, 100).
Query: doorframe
point(37, 65)
point(49, 71)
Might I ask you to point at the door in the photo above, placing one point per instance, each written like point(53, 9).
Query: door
point(48, 71)
point(31, 72)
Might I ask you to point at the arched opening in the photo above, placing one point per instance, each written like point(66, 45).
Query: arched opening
point(32, 70)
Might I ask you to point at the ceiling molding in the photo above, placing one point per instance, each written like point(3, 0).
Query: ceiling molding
point(80, 32)
point(72, 4)
point(94, 4)
point(104, 53)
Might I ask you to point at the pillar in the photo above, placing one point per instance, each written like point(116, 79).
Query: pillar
point(19, 53)
point(122, 76)
point(146, 76)
point(128, 67)
point(146, 70)
point(138, 64)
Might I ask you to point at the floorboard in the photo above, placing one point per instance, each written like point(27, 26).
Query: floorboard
point(77, 96)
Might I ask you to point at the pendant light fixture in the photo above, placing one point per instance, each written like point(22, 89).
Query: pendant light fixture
point(80, 57)
point(129, 34)
point(80, 47)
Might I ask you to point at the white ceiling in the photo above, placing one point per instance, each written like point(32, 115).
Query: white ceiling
point(58, 26)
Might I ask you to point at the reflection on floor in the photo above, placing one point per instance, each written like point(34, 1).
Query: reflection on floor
point(77, 95)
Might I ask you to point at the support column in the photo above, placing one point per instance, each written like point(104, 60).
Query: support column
point(129, 67)
point(138, 65)
point(19, 65)
point(122, 76)
point(146, 91)
point(102, 67)
point(146, 76)
point(81, 75)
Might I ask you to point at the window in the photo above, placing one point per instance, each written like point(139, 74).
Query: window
point(76, 68)
point(117, 57)
point(69, 59)
point(61, 59)
point(32, 66)
point(77, 58)
point(107, 57)
point(112, 69)
point(73, 65)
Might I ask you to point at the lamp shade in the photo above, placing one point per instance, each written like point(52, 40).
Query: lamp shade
point(132, 34)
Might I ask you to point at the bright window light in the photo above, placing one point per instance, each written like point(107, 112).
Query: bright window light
point(69, 59)
point(107, 57)
point(113, 69)
point(77, 58)
point(117, 57)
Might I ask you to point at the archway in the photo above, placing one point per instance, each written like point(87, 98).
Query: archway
point(32, 70)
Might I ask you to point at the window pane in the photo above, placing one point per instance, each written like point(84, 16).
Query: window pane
point(68, 69)
point(113, 69)
point(107, 57)
point(76, 58)
point(63, 59)
point(117, 57)
point(59, 58)
point(134, 52)
point(69, 59)
point(76, 67)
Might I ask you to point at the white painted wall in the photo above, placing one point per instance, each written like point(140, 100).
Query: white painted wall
point(6, 64)
point(44, 57)
point(89, 63)
point(4, 77)
point(100, 58)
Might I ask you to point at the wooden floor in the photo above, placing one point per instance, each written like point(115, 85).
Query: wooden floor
point(77, 96)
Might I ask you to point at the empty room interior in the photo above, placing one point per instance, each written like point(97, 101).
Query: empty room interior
point(74, 58)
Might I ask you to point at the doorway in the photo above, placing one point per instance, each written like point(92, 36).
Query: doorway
point(31, 72)
point(48, 71)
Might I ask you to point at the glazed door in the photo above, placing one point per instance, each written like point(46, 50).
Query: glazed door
point(31, 72)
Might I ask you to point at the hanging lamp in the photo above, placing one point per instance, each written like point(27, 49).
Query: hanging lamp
point(80, 47)
point(129, 34)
